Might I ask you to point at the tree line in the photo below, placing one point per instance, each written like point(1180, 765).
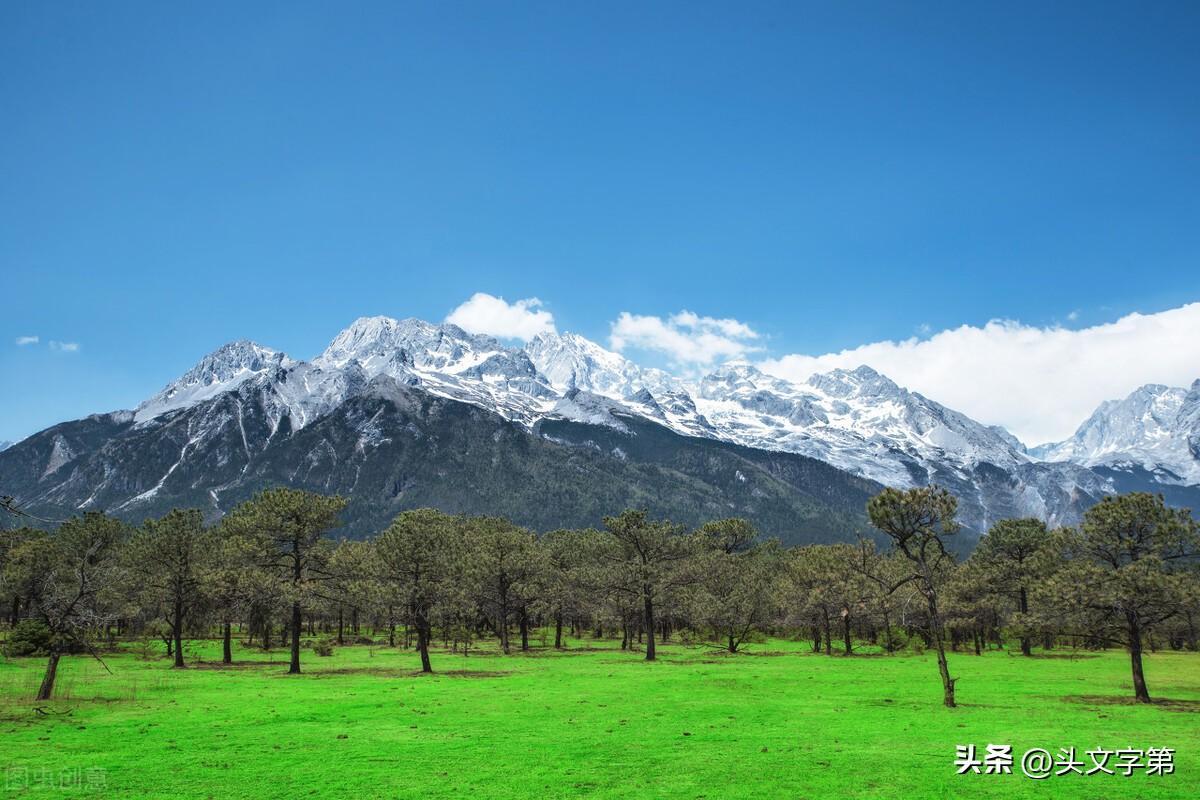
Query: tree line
point(1126, 576)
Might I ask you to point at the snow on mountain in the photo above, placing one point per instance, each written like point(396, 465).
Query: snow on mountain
point(220, 371)
point(857, 420)
point(445, 360)
point(570, 361)
point(5, 445)
point(1156, 428)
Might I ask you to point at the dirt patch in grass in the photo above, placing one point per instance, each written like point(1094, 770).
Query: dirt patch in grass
point(1062, 656)
point(384, 672)
point(219, 665)
point(566, 651)
point(1166, 703)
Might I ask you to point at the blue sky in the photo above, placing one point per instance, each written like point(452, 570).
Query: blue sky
point(831, 175)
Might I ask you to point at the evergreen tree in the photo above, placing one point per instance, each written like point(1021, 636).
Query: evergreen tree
point(919, 521)
point(287, 529)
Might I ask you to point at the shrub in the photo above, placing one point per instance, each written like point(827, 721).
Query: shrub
point(31, 637)
point(323, 646)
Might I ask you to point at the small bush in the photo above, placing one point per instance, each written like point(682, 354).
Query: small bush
point(323, 646)
point(31, 637)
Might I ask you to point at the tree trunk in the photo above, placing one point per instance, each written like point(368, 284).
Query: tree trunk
point(227, 645)
point(354, 619)
point(177, 633)
point(423, 634)
point(47, 687)
point(502, 623)
point(816, 636)
point(341, 627)
point(649, 623)
point(1023, 605)
point(846, 633)
point(825, 632)
point(15, 616)
point(294, 666)
point(1140, 692)
point(936, 633)
point(558, 626)
point(524, 630)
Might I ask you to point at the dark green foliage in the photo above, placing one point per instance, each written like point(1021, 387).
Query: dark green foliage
point(31, 637)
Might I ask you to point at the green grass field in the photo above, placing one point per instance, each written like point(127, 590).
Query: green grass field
point(593, 721)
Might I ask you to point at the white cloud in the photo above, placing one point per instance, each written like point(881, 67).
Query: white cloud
point(22, 341)
point(484, 313)
point(687, 338)
point(64, 347)
point(1040, 383)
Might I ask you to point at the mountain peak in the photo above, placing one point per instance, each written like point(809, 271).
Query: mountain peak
point(862, 381)
point(220, 371)
point(571, 361)
point(374, 341)
point(1152, 427)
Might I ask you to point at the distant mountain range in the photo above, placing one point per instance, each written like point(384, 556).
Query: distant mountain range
point(402, 413)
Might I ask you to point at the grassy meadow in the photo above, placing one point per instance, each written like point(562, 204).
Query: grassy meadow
point(591, 721)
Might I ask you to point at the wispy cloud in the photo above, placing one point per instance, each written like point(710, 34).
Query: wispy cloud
point(23, 341)
point(64, 347)
point(688, 339)
point(1039, 382)
point(494, 316)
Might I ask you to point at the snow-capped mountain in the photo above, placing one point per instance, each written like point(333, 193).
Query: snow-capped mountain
point(224, 369)
point(244, 404)
point(1155, 428)
point(445, 360)
point(857, 420)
